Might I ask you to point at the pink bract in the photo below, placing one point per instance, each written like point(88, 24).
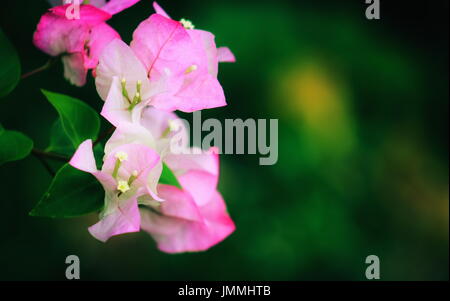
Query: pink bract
point(177, 66)
point(120, 213)
point(193, 218)
point(79, 41)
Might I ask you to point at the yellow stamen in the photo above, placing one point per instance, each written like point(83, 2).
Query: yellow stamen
point(173, 125)
point(123, 186)
point(138, 86)
point(123, 82)
point(122, 156)
point(133, 177)
point(187, 24)
point(190, 69)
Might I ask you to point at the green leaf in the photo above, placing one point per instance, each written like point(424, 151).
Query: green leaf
point(61, 144)
point(13, 146)
point(79, 121)
point(59, 141)
point(168, 178)
point(72, 193)
point(9, 66)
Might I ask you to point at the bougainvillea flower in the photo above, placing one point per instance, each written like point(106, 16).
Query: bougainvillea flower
point(122, 82)
point(79, 40)
point(125, 178)
point(194, 228)
point(192, 218)
point(181, 63)
point(224, 54)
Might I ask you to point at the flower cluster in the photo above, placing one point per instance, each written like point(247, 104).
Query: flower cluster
point(168, 66)
point(79, 41)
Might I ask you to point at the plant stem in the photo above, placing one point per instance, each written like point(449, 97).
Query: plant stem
point(104, 135)
point(37, 70)
point(53, 156)
point(46, 165)
point(42, 155)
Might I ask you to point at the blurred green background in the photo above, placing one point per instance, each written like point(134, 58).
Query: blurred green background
point(363, 147)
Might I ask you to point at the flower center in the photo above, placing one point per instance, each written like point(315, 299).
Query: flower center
point(190, 69)
point(122, 156)
point(173, 126)
point(123, 186)
point(187, 24)
point(137, 97)
point(133, 177)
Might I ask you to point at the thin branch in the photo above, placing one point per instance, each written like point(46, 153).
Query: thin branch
point(104, 135)
point(53, 156)
point(37, 70)
point(45, 163)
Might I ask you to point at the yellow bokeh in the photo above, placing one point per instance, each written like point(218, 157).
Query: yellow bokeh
point(315, 99)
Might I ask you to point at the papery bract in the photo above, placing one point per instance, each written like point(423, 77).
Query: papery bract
point(125, 178)
point(122, 82)
point(177, 67)
point(175, 233)
point(224, 53)
point(196, 61)
point(193, 218)
point(78, 40)
point(168, 66)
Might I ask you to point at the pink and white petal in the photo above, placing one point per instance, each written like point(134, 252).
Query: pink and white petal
point(118, 60)
point(217, 218)
point(152, 182)
point(178, 203)
point(136, 113)
point(101, 35)
point(74, 70)
point(163, 90)
point(164, 230)
point(175, 235)
point(205, 92)
point(125, 219)
point(158, 9)
point(83, 158)
point(224, 54)
point(196, 159)
point(207, 50)
point(141, 159)
point(115, 6)
point(162, 43)
point(167, 84)
point(55, 35)
point(200, 184)
point(165, 102)
point(157, 121)
point(89, 14)
point(107, 181)
point(115, 109)
point(128, 133)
